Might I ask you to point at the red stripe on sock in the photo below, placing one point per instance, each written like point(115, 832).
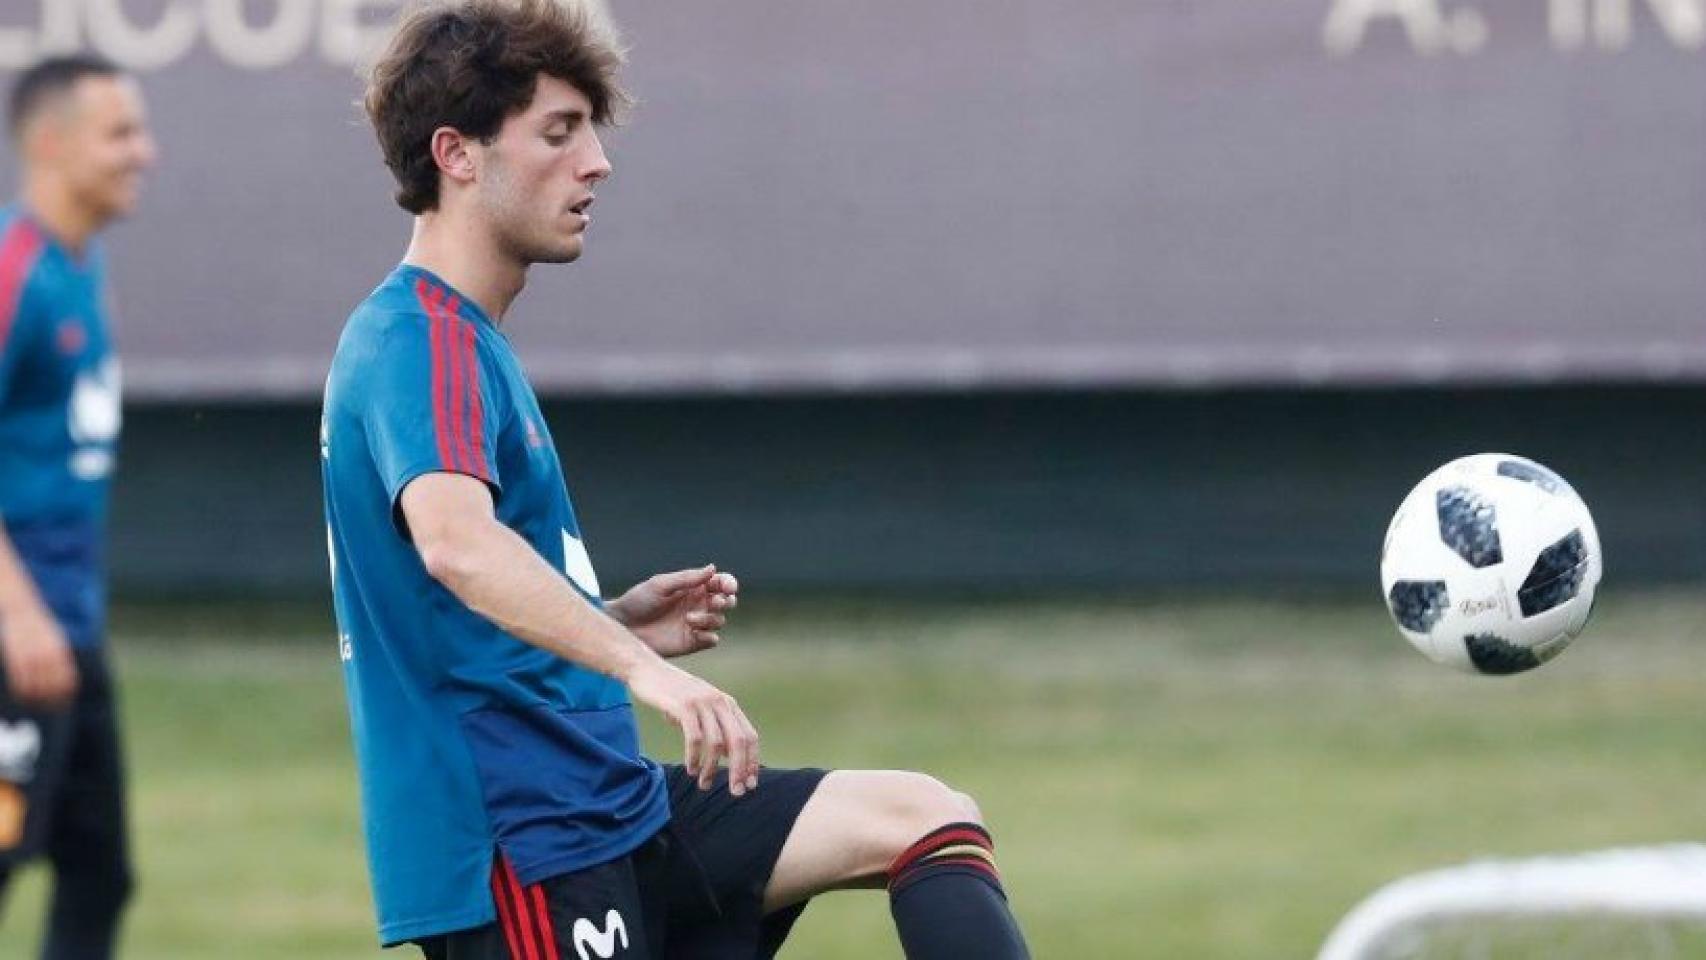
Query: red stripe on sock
point(506, 911)
point(929, 866)
point(945, 837)
point(932, 868)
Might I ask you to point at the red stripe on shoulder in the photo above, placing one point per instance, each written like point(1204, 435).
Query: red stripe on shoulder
point(466, 415)
point(19, 250)
point(429, 297)
point(476, 412)
point(458, 384)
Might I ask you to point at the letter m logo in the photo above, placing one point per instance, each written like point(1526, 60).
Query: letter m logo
point(601, 943)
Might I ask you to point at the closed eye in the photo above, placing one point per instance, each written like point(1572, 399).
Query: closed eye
point(560, 126)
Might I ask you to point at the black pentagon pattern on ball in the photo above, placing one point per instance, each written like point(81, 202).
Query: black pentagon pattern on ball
point(1468, 526)
point(1534, 473)
point(1556, 576)
point(1418, 605)
point(1493, 655)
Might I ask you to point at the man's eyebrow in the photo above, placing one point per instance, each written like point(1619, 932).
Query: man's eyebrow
point(568, 114)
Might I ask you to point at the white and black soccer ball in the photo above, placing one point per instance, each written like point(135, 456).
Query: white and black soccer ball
point(1491, 564)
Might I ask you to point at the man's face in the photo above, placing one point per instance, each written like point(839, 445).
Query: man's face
point(537, 175)
point(98, 141)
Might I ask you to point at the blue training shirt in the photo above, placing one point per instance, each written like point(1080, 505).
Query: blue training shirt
point(467, 739)
point(59, 420)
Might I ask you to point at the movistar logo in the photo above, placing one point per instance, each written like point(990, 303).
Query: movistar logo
point(602, 943)
point(20, 745)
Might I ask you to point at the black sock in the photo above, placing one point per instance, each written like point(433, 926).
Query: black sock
point(947, 899)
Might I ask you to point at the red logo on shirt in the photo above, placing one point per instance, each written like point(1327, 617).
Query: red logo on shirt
point(72, 338)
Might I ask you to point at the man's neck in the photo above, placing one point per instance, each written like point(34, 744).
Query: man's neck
point(467, 260)
point(54, 210)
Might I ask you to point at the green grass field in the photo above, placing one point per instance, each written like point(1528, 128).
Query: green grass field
point(1188, 779)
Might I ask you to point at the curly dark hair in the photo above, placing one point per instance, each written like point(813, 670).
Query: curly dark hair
point(471, 65)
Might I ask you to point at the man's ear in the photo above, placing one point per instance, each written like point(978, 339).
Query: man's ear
point(43, 137)
point(452, 154)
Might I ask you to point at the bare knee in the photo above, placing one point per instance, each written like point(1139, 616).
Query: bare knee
point(919, 804)
point(856, 826)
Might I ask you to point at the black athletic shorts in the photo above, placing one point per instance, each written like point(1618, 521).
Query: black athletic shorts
point(695, 891)
point(62, 772)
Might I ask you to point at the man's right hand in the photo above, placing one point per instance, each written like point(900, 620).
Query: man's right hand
point(40, 670)
point(712, 723)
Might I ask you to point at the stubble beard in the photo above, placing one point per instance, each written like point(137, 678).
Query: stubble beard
point(535, 237)
point(521, 240)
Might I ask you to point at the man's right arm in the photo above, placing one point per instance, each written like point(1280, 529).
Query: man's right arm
point(39, 668)
point(498, 575)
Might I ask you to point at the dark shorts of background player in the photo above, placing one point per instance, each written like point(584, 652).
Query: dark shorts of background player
point(693, 892)
point(62, 778)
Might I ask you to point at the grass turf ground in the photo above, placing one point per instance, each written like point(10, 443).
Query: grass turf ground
point(1189, 779)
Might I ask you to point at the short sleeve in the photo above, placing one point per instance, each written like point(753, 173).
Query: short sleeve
point(430, 405)
point(20, 248)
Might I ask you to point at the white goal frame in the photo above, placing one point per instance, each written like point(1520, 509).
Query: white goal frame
point(1636, 883)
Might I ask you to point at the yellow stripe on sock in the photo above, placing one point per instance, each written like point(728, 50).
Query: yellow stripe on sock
point(964, 850)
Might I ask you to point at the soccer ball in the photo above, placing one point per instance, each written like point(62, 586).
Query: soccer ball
point(1491, 564)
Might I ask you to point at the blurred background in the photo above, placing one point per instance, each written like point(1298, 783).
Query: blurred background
point(1047, 371)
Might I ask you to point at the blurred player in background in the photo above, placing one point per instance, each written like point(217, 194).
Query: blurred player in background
point(79, 128)
point(509, 811)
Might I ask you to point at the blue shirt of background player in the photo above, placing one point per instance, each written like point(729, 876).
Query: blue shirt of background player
point(59, 420)
point(465, 736)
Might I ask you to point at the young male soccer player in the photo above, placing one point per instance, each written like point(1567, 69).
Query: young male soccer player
point(79, 127)
point(509, 811)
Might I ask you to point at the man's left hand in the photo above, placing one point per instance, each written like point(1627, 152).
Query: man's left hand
point(678, 613)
